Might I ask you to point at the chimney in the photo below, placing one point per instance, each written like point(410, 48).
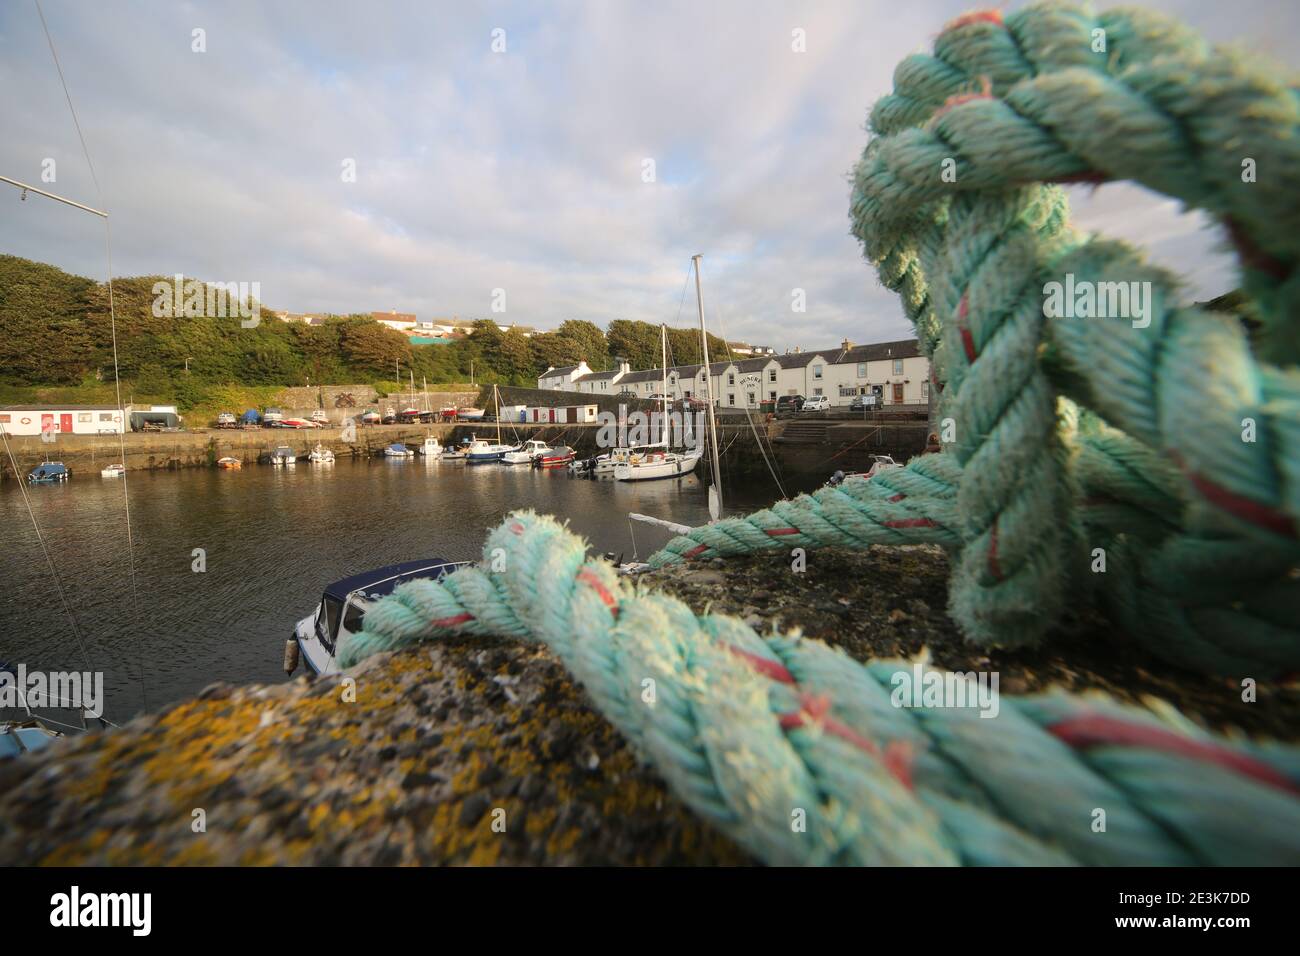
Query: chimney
point(846, 345)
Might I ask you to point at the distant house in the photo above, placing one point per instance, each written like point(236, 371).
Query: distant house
point(601, 383)
point(401, 321)
point(561, 379)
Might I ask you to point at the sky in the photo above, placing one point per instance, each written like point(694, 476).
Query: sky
point(520, 169)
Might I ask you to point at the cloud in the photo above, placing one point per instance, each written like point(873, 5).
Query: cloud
point(520, 170)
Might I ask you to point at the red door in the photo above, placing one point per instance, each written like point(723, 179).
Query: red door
point(552, 414)
point(898, 394)
point(65, 424)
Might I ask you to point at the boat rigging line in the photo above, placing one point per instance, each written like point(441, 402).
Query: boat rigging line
point(117, 378)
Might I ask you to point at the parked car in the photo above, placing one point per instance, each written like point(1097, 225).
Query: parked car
point(818, 403)
point(789, 404)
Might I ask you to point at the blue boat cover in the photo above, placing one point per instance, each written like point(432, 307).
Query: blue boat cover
point(381, 581)
point(251, 416)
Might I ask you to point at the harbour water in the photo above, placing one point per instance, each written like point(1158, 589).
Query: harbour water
point(270, 539)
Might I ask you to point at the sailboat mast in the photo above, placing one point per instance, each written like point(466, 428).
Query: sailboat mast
point(708, 383)
point(663, 392)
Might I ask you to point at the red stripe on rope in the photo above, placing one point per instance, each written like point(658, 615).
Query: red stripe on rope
point(995, 566)
point(967, 340)
point(910, 523)
point(777, 532)
point(897, 758)
point(516, 527)
point(764, 665)
point(898, 497)
point(452, 621)
point(1247, 509)
point(696, 550)
point(975, 16)
point(586, 577)
point(1095, 730)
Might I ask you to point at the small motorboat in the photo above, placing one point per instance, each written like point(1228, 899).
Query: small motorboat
point(525, 454)
point(408, 416)
point(879, 463)
point(298, 423)
point(453, 454)
point(284, 455)
point(113, 471)
point(431, 448)
point(556, 457)
point(272, 418)
point(470, 414)
point(448, 413)
point(230, 463)
point(370, 417)
point(389, 417)
point(227, 420)
point(25, 736)
point(320, 455)
point(398, 450)
point(342, 611)
point(320, 418)
point(481, 452)
point(48, 472)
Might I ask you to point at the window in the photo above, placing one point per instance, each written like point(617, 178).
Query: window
point(731, 398)
point(85, 417)
point(771, 377)
point(817, 373)
point(817, 391)
point(898, 366)
point(925, 390)
point(749, 398)
point(772, 395)
point(731, 378)
point(862, 370)
point(848, 391)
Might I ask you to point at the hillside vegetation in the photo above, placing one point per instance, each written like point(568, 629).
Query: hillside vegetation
point(56, 344)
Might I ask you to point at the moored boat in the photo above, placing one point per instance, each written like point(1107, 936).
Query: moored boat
point(656, 461)
point(481, 452)
point(601, 465)
point(48, 472)
point(398, 450)
point(320, 455)
point(284, 455)
point(343, 608)
point(227, 420)
point(556, 457)
point(113, 471)
point(229, 463)
point(272, 418)
point(432, 448)
point(525, 454)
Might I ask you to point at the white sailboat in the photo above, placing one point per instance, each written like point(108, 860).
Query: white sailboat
point(480, 451)
point(649, 462)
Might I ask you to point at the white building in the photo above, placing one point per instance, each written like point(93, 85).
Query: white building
point(561, 379)
point(895, 371)
point(61, 419)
